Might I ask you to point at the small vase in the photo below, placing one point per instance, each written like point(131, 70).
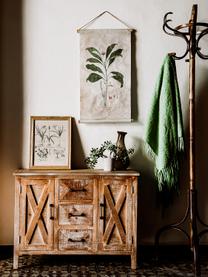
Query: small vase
point(122, 162)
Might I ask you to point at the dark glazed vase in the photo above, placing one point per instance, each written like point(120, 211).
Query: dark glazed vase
point(122, 160)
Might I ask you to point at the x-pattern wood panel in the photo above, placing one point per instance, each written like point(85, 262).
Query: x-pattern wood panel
point(37, 208)
point(115, 210)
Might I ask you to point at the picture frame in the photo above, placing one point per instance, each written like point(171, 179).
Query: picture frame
point(50, 142)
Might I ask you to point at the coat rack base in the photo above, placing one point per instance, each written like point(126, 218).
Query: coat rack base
point(192, 219)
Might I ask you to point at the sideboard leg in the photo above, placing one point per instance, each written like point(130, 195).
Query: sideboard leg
point(15, 260)
point(133, 260)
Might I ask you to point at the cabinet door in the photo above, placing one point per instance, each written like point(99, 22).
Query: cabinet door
point(36, 213)
point(115, 223)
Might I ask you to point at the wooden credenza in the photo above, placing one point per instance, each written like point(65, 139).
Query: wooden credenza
point(75, 212)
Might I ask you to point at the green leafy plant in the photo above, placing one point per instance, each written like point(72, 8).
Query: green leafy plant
point(100, 64)
point(114, 151)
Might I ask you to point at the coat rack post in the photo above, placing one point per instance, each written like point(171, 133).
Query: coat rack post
point(192, 186)
point(192, 39)
point(192, 32)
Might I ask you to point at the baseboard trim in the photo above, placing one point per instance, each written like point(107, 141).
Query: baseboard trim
point(6, 251)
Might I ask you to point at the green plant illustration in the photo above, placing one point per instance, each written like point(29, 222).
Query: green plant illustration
point(100, 64)
point(58, 130)
point(49, 142)
point(41, 132)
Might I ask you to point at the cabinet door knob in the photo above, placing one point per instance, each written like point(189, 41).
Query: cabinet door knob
point(102, 211)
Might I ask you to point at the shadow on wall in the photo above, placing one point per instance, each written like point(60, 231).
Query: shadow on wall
point(151, 214)
point(202, 146)
point(78, 156)
point(11, 101)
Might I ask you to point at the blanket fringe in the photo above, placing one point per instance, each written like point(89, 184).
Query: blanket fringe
point(181, 144)
point(167, 176)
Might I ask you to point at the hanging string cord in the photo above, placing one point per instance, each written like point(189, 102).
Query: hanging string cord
point(98, 16)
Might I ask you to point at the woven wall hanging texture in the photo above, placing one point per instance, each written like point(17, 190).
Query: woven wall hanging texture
point(105, 74)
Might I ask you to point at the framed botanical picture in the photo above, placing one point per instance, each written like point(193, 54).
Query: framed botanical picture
point(50, 142)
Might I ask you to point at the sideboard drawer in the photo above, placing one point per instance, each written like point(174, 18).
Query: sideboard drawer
point(75, 189)
point(75, 239)
point(76, 214)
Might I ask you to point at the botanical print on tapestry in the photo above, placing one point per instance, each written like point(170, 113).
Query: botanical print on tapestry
point(51, 142)
point(105, 75)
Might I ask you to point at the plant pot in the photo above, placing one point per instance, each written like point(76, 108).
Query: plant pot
point(107, 164)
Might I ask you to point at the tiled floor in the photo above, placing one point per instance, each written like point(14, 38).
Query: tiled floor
point(169, 264)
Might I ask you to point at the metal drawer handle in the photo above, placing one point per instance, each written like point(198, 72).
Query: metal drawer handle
point(78, 215)
point(77, 240)
point(51, 211)
point(77, 189)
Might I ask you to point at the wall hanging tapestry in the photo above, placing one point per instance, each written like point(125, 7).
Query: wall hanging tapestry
point(105, 75)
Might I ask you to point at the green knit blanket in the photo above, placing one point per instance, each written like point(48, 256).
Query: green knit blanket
point(164, 129)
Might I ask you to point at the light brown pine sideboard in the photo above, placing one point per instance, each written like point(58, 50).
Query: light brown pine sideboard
point(75, 212)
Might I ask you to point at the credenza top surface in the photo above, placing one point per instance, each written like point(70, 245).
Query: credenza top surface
point(72, 172)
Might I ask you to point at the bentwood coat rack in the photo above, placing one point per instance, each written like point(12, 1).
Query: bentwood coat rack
point(189, 32)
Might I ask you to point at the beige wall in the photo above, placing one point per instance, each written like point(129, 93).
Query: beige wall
point(11, 112)
point(39, 75)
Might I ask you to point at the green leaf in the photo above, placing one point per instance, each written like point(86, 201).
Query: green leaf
point(92, 49)
point(93, 60)
point(118, 77)
point(94, 68)
point(111, 61)
point(94, 77)
point(109, 49)
point(94, 52)
point(115, 54)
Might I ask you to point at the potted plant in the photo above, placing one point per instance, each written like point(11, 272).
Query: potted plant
point(119, 156)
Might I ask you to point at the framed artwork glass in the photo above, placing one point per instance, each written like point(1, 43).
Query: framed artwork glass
point(50, 142)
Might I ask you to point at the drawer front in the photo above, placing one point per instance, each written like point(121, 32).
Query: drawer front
point(75, 239)
point(75, 189)
point(76, 214)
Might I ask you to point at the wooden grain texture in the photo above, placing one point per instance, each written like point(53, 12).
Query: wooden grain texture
point(75, 239)
point(76, 173)
point(134, 222)
point(75, 189)
point(16, 223)
point(36, 227)
point(72, 214)
point(114, 218)
point(115, 232)
point(75, 213)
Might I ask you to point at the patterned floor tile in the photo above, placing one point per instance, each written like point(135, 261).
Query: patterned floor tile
point(98, 266)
